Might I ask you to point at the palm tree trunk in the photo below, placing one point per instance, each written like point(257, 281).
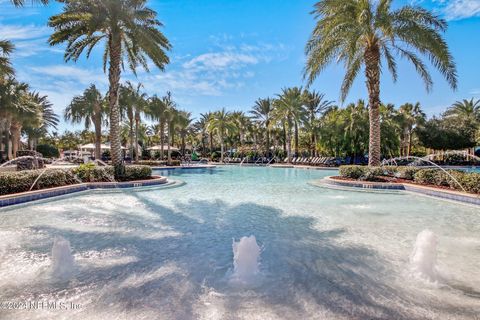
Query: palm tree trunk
point(289, 146)
point(284, 138)
point(7, 140)
point(114, 81)
point(130, 136)
point(372, 70)
point(296, 138)
point(211, 142)
point(16, 129)
point(221, 149)
point(168, 147)
point(162, 140)
point(409, 149)
point(98, 132)
point(137, 123)
point(268, 142)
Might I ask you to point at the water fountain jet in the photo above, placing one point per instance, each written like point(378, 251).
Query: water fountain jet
point(423, 259)
point(63, 262)
point(246, 255)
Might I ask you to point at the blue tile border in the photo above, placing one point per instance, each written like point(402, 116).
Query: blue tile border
point(428, 191)
point(19, 198)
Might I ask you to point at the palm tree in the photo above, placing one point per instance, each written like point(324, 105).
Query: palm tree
point(132, 102)
point(89, 108)
point(206, 118)
point(315, 104)
point(466, 109)
point(130, 32)
point(289, 110)
point(412, 116)
point(155, 110)
point(16, 104)
point(362, 33)
point(262, 113)
point(183, 126)
point(6, 69)
point(46, 119)
point(221, 123)
point(171, 116)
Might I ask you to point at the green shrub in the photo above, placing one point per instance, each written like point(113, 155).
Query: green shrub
point(48, 151)
point(21, 181)
point(352, 172)
point(425, 176)
point(137, 172)
point(470, 181)
point(89, 172)
point(406, 172)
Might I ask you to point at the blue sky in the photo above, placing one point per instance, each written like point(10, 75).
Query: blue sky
point(228, 53)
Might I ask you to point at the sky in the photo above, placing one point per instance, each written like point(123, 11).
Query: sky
point(228, 53)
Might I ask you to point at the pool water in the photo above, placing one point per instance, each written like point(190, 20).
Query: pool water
point(167, 253)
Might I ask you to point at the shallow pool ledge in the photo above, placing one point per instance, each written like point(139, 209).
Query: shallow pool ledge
point(424, 190)
point(23, 197)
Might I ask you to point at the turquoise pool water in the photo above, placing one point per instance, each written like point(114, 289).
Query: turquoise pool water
point(167, 253)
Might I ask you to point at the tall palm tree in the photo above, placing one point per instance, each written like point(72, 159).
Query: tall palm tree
point(89, 108)
point(315, 104)
point(130, 34)
point(155, 110)
point(6, 69)
point(221, 124)
point(362, 33)
point(289, 110)
point(412, 115)
point(262, 113)
point(205, 118)
point(15, 104)
point(183, 126)
point(46, 119)
point(132, 102)
point(466, 109)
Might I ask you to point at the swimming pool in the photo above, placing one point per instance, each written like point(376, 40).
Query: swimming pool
point(167, 253)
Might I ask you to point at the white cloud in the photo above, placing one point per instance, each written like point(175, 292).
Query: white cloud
point(29, 39)
point(211, 73)
point(460, 9)
point(70, 73)
point(220, 61)
point(454, 9)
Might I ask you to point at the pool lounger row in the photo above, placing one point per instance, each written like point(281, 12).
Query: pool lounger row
point(314, 161)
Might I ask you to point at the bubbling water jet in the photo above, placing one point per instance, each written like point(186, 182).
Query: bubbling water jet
point(246, 255)
point(423, 259)
point(63, 262)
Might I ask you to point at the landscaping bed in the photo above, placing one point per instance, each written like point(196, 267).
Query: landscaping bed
point(431, 177)
point(21, 181)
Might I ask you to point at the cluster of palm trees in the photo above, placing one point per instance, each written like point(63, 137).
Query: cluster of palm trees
point(22, 110)
point(135, 106)
point(364, 35)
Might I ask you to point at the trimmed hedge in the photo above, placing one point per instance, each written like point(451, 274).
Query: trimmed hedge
point(470, 181)
point(21, 181)
point(352, 172)
point(89, 172)
point(137, 172)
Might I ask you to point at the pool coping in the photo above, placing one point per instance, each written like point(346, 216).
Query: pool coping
point(194, 166)
point(27, 196)
point(445, 194)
